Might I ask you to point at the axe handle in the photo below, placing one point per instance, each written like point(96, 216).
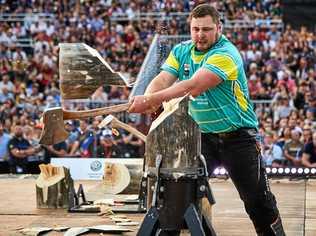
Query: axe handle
point(70, 115)
point(118, 124)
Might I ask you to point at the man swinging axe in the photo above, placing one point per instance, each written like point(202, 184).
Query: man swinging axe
point(210, 68)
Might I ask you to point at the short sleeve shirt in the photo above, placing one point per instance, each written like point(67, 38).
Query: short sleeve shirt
point(227, 106)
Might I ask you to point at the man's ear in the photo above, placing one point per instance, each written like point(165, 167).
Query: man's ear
point(220, 27)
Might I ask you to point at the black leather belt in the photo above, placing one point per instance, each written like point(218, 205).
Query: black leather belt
point(233, 134)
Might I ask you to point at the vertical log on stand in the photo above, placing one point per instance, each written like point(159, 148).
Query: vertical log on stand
point(174, 136)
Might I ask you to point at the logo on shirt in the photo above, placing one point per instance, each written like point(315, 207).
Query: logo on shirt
point(186, 69)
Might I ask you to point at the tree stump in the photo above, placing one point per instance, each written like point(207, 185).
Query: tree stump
point(53, 187)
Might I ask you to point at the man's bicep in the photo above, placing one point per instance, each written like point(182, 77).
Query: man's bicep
point(203, 80)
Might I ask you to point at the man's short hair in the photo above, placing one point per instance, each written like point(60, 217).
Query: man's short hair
point(205, 10)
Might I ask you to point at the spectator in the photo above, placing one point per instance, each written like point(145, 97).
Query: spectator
point(4, 153)
point(6, 83)
point(307, 134)
point(19, 150)
point(131, 144)
point(272, 153)
point(56, 150)
point(84, 146)
point(33, 160)
point(293, 148)
point(283, 109)
point(73, 136)
point(309, 153)
point(286, 81)
point(108, 147)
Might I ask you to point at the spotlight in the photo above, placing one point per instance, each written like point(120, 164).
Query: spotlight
point(306, 171)
point(216, 171)
point(274, 170)
point(268, 170)
point(222, 171)
point(300, 171)
point(280, 170)
point(293, 170)
point(287, 170)
point(313, 171)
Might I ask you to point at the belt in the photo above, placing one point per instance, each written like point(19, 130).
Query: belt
point(232, 134)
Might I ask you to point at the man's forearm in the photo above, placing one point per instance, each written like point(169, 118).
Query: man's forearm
point(162, 81)
point(177, 90)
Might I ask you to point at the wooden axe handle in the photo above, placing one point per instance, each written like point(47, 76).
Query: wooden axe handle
point(118, 124)
point(70, 115)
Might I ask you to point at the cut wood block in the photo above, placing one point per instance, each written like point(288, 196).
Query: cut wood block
point(121, 178)
point(116, 178)
point(53, 186)
point(82, 70)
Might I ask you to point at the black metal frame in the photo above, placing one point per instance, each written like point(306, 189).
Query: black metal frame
point(192, 218)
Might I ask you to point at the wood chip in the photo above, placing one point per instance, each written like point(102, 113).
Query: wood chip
point(118, 216)
point(109, 201)
point(128, 223)
point(109, 228)
point(34, 231)
point(76, 231)
point(116, 219)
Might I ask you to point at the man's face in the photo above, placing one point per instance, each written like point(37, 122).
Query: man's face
point(18, 131)
point(204, 32)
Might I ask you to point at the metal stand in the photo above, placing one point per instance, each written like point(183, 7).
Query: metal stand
point(75, 204)
point(176, 202)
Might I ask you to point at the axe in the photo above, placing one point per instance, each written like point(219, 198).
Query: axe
point(110, 119)
point(53, 119)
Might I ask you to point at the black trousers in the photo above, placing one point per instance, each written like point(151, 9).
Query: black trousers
point(238, 152)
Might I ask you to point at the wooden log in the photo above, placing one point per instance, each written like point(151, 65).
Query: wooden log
point(82, 70)
point(53, 186)
point(174, 136)
point(121, 178)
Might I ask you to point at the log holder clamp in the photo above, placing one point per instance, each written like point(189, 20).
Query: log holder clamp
point(165, 218)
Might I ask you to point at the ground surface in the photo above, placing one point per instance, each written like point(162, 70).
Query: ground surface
point(296, 200)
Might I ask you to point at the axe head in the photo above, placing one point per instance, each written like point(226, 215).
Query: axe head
point(54, 130)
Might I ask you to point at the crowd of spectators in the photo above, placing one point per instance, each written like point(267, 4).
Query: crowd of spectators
point(280, 66)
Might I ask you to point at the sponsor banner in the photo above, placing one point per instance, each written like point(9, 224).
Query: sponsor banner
point(90, 168)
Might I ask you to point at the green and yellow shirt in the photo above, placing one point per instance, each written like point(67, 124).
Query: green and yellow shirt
point(225, 107)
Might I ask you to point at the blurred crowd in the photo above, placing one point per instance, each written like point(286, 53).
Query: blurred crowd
point(280, 64)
